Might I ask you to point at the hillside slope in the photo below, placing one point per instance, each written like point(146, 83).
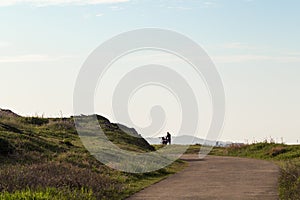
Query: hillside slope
point(19, 135)
point(46, 155)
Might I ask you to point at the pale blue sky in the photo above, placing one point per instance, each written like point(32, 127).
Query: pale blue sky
point(255, 45)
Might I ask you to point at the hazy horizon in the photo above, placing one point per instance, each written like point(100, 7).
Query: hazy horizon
point(254, 45)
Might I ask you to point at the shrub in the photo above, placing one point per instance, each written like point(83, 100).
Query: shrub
point(235, 148)
point(36, 120)
point(5, 147)
point(277, 150)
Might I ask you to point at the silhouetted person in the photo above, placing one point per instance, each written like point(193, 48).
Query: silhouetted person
point(168, 138)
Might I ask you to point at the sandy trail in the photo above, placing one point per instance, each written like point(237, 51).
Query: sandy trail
point(217, 178)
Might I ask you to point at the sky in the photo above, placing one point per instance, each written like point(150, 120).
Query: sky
point(254, 44)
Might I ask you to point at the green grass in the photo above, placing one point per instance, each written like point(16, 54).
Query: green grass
point(49, 194)
point(286, 156)
point(43, 158)
point(267, 151)
point(138, 182)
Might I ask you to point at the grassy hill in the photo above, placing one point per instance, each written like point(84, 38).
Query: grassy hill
point(43, 158)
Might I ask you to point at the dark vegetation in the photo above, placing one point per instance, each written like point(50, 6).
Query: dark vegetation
point(286, 156)
point(43, 158)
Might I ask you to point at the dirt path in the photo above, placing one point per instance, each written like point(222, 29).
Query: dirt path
point(217, 178)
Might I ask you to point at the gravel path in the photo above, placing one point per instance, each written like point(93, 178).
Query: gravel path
point(217, 178)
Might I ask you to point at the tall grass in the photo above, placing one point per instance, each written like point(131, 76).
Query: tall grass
point(289, 180)
point(59, 176)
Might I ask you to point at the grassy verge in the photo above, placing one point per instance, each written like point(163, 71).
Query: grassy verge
point(138, 182)
point(286, 156)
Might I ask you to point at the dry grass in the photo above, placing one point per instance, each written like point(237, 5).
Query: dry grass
point(290, 180)
point(57, 175)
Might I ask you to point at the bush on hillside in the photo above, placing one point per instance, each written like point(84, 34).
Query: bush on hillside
point(5, 147)
point(277, 150)
point(36, 120)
